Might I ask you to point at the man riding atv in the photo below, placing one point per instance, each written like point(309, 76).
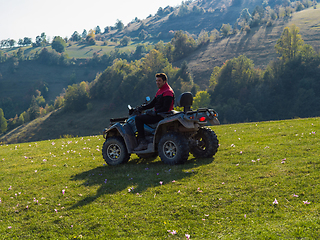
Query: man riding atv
point(163, 132)
point(162, 103)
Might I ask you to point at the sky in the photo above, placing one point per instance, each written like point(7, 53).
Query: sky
point(30, 18)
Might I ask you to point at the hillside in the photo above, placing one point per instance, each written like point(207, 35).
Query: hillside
point(258, 45)
point(190, 16)
point(19, 85)
point(263, 183)
point(58, 124)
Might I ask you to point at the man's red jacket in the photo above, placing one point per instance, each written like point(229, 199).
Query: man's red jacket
point(163, 101)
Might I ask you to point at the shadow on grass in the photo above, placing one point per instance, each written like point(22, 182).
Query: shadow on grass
point(140, 173)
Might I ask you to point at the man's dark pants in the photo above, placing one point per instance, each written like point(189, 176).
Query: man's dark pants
point(145, 119)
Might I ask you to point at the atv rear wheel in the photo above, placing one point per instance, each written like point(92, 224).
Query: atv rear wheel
point(173, 149)
point(207, 143)
point(114, 151)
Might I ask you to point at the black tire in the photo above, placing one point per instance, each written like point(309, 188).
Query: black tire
point(173, 149)
point(114, 151)
point(208, 144)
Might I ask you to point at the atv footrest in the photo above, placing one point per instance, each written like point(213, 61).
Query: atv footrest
point(148, 150)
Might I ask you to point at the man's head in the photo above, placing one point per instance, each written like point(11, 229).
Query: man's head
point(161, 79)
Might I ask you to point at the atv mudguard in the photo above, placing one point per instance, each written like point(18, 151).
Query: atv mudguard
point(177, 121)
point(124, 131)
point(214, 121)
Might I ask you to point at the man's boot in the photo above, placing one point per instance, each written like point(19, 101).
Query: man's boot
point(142, 145)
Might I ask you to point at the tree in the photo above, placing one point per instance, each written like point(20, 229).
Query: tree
point(44, 37)
point(119, 25)
point(106, 29)
point(201, 100)
point(98, 30)
point(234, 78)
point(203, 38)
point(12, 42)
point(245, 18)
point(140, 49)
point(183, 45)
point(40, 40)
point(34, 110)
point(290, 43)
point(183, 10)
point(77, 96)
point(84, 33)
point(3, 122)
point(75, 37)
point(20, 42)
point(125, 41)
point(27, 41)
point(307, 52)
point(20, 53)
point(58, 44)
point(4, 43)
point(59, 102)
point(21, 119)
point(226, 29)
point(92, 33)
point(90, 40)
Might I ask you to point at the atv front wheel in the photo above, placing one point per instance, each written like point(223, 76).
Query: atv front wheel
point(173, 149)
point(207, 144)
point(114, 151)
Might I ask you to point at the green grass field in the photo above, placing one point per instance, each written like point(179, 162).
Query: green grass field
point(263, 183)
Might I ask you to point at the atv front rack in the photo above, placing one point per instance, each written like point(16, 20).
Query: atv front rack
point(119, 120)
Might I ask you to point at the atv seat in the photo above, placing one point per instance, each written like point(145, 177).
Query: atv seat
point(168, 114)
point(185, 100)
point(164, 115)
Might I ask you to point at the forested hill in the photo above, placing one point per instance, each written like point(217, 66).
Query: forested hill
point(236, 68)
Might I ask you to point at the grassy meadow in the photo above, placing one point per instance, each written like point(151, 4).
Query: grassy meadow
point(83, 51)
point(263, 183)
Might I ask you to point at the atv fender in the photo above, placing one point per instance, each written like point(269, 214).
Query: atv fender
point(124, 131)
point(173, 123)
point(214, 121)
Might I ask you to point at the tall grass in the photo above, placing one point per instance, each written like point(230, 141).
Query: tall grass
point(263, 183)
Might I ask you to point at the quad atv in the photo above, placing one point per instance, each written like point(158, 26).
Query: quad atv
point(172, 138)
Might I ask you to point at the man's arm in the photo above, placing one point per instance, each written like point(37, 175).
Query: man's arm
point(149, 105)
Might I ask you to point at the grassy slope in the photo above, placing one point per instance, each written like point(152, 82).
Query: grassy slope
point(229, 196)
point(257, 45)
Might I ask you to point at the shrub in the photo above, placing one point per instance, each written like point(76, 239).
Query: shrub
point(58, 44)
